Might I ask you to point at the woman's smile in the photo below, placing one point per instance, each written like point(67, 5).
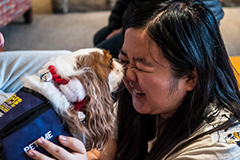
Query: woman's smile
point(139, 92)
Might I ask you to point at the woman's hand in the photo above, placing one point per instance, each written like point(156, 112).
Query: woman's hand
point(76, 150)
point(114, 32)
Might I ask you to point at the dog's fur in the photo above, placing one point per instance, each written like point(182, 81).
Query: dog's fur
point(93, 75)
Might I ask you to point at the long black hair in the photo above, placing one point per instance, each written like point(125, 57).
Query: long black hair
point(188, 35)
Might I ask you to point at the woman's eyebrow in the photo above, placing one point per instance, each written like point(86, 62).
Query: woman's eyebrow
point(143, 60)
point(140, 60)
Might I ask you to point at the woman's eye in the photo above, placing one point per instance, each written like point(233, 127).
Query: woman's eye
point(111, 61)
point(138, 69)
point(135, 67)
point(124, 63)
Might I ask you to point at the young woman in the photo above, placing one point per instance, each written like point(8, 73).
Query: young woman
point(182, 99)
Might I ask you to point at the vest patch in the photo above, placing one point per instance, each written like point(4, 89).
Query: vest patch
point(9, 104)
point(233, 138)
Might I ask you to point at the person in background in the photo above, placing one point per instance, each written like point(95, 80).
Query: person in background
point(181, 98)
point(111, 38)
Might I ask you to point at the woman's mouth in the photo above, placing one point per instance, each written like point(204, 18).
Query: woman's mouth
point(139, 92)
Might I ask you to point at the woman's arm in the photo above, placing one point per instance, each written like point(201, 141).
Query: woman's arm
point(115, 19)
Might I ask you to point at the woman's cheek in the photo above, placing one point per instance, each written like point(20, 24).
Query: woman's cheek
point(126, 83)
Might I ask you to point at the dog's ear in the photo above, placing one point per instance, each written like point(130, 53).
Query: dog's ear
point(78, 63)
point(85, 60)
point(98, 62)
point(98, 110)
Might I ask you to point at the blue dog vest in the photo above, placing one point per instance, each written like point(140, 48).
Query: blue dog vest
point(25, 117)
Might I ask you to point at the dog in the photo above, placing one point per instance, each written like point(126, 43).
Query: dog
point(79, 85)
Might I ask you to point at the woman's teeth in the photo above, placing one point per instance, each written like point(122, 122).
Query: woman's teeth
point(139, 92)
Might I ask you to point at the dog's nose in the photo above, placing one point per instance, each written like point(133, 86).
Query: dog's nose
point(115, 59)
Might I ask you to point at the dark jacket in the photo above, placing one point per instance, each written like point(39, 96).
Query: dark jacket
point(123, 8)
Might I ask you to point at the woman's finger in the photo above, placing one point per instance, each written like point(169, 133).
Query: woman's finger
point(55, 150)
point(76, 147)
point(114, 33)
point(37, 155)
point(73, 144)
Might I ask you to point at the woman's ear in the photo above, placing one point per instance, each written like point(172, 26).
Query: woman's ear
point(191, 80)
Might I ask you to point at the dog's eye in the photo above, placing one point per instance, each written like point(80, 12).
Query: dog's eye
point(111, 61)
point(111, 64)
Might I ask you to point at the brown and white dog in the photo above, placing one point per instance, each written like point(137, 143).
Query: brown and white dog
point(79, 85)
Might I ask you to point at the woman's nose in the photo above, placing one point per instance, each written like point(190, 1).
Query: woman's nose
point(130, 75)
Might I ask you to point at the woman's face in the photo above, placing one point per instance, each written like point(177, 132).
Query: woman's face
point(148, 76)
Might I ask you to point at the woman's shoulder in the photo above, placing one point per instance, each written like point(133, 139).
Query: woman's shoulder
point(221, 145)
